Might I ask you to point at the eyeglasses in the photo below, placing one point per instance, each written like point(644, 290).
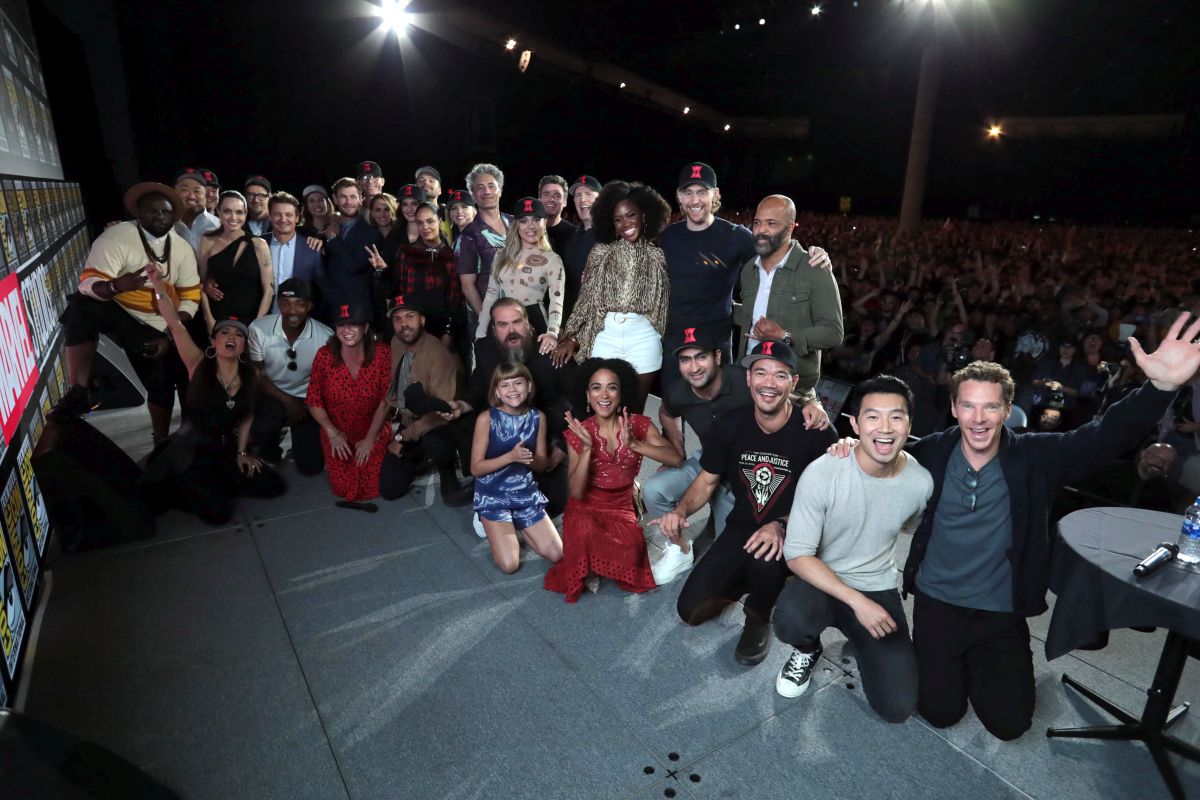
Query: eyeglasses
point(291, 353)
point(257, 195)
point(972, 483)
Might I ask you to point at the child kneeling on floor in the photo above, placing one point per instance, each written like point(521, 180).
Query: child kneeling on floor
point(509, 443)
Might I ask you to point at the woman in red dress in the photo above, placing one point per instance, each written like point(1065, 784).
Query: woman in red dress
point(347, 396)
point(601, 534)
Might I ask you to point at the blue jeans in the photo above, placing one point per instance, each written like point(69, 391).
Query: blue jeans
point(662, 491)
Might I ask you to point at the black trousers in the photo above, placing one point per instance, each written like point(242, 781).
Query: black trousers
point(888, 666)
point(983, 657)
point(270, 418)
point(209, 485)
point(85, 318)
point(725, 574)
point(398, 472)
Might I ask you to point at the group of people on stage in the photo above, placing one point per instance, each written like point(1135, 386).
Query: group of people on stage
point(392, 335)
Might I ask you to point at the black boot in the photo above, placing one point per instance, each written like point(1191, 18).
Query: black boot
point(755, 641)
point(454, 493)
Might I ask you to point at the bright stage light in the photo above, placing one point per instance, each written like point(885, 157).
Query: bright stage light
point(622, 86)
point(994, 132)
point(393, 17)
point(727, 126)
point(686, 109)
point(815, 11)
point(737, 26)
point(511, 44)
point(762, 21)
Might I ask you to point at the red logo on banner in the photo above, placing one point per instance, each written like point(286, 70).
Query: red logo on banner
point(767, 346)
point(18, 365)
point(529, 206)
point(696, 171)
point(689, 335)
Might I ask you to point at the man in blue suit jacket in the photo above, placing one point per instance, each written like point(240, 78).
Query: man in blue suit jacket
point(348, 265)
point(293, 256)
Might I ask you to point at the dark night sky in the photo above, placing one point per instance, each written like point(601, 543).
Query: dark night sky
point(302, 90)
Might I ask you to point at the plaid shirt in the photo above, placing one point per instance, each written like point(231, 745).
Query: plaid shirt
point(428, 273)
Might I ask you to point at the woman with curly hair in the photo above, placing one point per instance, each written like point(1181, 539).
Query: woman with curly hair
point(622, 307)
point(601, 535)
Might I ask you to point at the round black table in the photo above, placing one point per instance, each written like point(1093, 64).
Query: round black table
point(1092, 575)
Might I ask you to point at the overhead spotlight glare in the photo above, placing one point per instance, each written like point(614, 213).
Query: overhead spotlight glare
point(622, 84)
point(815, 11)
point(762, 21)
point(994, 132)
point(686, 109)
point(727, 126)
point(737, 26)
point(393, 17)
point(511, 44)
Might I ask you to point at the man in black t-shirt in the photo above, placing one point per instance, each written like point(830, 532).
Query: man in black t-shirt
point(552, 191)
point(761, 451)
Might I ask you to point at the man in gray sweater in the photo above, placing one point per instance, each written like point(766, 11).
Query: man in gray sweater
point(841, 535)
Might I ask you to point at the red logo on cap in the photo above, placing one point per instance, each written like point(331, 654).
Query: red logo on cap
point(345, 312)
point(408, 190)
point(455, 194)
point(366, 166)
point(398, 300)
point(529, 206)
point(696, 170)
point(232, 317)
point(190, 170)
point(766, 348)
point(208, 176)
point(582, 179)
point(689, 335)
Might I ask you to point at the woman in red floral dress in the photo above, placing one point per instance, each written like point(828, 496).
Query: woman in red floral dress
point(347, 396)
point(601, 534)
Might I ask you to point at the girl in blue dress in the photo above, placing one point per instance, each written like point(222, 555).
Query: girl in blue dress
point(509, 443)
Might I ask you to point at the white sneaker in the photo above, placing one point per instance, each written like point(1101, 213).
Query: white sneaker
point(477, 524)
point(796, 675)
point(674, 562)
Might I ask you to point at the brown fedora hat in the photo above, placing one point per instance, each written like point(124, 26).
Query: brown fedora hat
point(140, 190)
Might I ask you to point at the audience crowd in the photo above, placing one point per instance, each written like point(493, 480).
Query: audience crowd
point(376, 332)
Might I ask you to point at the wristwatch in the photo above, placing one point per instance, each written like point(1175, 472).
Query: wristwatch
point(787, 338)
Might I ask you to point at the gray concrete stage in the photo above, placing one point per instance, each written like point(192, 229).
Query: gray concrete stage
point(309, 651)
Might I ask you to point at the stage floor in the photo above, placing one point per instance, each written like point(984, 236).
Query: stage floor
point(310, 651)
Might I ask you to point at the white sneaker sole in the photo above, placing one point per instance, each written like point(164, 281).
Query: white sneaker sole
point(672, 573)
point(785, 688)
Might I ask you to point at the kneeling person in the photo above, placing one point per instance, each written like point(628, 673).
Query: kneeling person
point(841, 538)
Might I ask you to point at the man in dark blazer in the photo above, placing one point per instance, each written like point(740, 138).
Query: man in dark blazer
point(347, 255)
point(292, 255)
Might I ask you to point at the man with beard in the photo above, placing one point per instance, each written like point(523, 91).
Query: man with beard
point(512, 339)
point(430, 181)
point(115, 299)
point(784, 301)
point(841, 538)
point(479, 241)
point(195, 220)
point(425, 380)
point(761, 451)
point(708, 391)
point(583, 194)
point(282, 348)
point(552, 191)
point(257, 191)
point(348, 264)
point(704, 260)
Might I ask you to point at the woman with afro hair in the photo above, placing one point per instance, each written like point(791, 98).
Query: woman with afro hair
point(622, 307)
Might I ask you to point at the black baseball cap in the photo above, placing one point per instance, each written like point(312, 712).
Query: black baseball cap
point(189, 172)
point(586, 181)
point(257, 180)
point(772, 349)
point(369, 169)
point(404, 301)
point(230, 322)
point(410, 191)
point(529, 207)
point(352, 314)
point(702, 338)
point(210, 178)
point(460, 196)
point(297, 288)
point(437, 176)
point(698, 172)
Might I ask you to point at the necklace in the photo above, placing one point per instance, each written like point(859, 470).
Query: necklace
point(165, 258)
point(230, 391)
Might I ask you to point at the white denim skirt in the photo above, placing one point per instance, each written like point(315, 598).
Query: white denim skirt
point(631, 337)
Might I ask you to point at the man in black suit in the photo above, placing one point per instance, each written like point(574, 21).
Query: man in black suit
point(348, 262)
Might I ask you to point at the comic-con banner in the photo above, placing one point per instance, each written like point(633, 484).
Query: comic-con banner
point(20, 538)
point(12, 613)
point(27, 141)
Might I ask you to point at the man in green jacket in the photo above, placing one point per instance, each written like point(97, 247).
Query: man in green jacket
point(783, 298)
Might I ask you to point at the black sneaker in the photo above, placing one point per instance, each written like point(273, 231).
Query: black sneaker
point(755, 642)
point(796, 674)
point(76, 402)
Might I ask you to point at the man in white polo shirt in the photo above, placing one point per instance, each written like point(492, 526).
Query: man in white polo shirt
point(282, 348)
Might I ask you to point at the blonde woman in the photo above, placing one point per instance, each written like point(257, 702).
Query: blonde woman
point(527, 270)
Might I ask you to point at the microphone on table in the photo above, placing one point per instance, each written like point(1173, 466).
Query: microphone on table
point(1161, 555)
